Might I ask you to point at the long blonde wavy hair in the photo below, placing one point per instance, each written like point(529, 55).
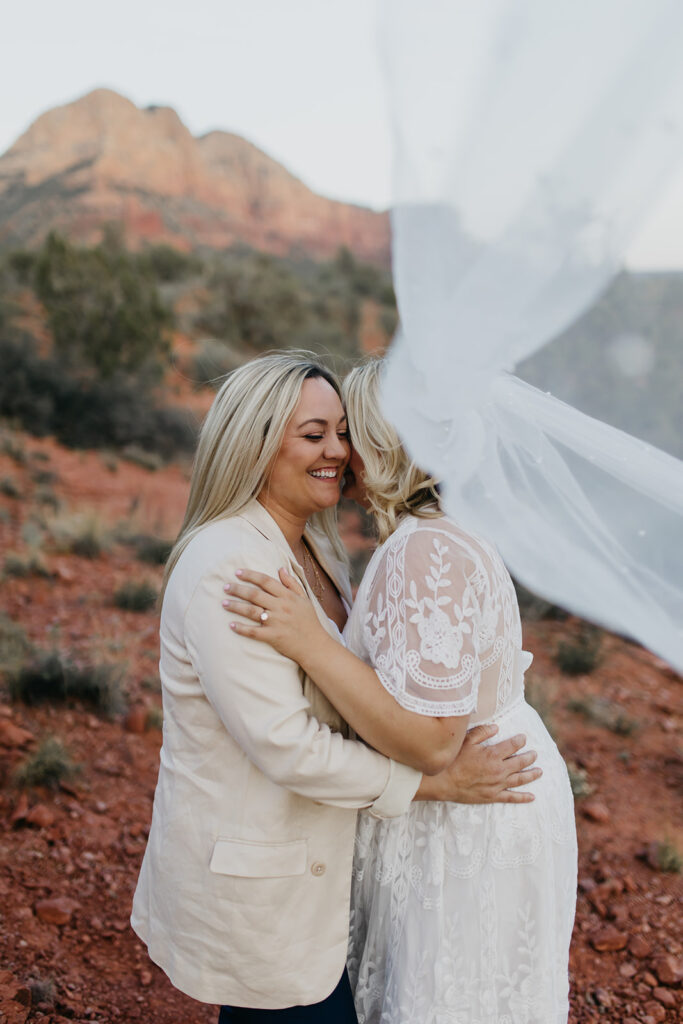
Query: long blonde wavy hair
point(394, 484)
point(240, 439)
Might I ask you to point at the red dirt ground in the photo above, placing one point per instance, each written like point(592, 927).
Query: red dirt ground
point(81, 846)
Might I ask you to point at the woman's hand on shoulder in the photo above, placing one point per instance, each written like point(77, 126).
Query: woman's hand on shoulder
point(276, 611)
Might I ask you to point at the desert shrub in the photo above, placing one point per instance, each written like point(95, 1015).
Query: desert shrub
point(154, 719)
point(10, 444)
point(44, 477)
point(46, 497)
point(168, 264)
point(152, 550)
point(79, 533)
point(601, 711)
point(255, 302)
point(581, 655)
point(136, 596)
point(41, 395)
point(141, 457)
point(578, 780)
point(30, 563)
point(667, 856)
point(51, 678)
point(9, 487)
point(15, 646)
point(103, 309)
point(49, 765)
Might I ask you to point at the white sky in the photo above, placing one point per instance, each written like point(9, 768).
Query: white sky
point(297, 77)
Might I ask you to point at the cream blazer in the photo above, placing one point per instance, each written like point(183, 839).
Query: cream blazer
point(243, 894)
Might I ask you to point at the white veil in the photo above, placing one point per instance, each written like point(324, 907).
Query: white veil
point(529, 139)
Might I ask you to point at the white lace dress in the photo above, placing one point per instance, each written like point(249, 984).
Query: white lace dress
point(460, 914)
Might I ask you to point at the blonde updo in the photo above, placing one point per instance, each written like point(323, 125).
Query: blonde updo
point(393, 483)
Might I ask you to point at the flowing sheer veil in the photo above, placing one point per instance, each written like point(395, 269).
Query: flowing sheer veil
point(530, 137)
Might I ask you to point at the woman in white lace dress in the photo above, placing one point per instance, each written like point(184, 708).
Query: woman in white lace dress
point(461, 914)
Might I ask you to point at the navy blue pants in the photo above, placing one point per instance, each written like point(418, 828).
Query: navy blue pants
point(338, 1008)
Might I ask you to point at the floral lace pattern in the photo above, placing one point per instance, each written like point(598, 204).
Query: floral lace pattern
point(461, 914)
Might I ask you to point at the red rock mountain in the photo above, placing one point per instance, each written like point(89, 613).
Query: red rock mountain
point(102, 159)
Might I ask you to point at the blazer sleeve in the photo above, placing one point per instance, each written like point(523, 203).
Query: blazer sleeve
point(257, 693)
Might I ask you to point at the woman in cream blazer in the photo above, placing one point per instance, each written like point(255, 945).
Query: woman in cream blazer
point(243, 895)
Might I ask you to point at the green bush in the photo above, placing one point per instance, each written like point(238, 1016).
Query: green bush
point(256, 302)
point(168, 264)
point(50, 678)
point(41, 395)
point(103, 309)
point(49, 765)
point(136, 597)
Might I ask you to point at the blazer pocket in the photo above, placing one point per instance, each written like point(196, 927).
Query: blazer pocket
point(246, 859)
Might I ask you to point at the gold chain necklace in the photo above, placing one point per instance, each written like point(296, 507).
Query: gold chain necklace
point(317, 585)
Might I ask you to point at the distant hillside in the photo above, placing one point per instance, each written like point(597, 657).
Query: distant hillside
point(623, 360)
point(102, 159)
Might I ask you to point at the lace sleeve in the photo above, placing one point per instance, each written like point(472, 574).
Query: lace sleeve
point(423, 625)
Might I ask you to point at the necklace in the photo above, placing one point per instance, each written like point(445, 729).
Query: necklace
point(317, 584)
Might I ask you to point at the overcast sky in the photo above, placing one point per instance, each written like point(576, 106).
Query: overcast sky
point(297, 77)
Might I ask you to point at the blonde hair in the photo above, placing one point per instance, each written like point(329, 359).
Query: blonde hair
point(240, 439)
point(393, 483)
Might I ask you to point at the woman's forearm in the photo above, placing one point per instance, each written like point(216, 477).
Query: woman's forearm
point(426, 743)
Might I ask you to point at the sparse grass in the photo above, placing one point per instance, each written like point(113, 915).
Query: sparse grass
point(49, 765)
point(578, 779)
point(43, 990)
point(141, 457)
point(110, 461)
point(601, 711)
point(9, 487)
point(31, 563)
point(51, 678)
point(15, 646)
point(79, 533)
point(152, 550)
point(136, 597)
point(581, 655)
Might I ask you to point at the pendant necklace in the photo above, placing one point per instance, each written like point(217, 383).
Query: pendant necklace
point(317, 585)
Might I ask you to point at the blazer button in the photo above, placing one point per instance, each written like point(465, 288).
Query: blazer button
point(317, 868)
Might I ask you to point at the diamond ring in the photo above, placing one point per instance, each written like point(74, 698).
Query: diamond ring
point(264, 618)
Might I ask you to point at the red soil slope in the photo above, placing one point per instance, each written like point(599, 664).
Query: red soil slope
point(69, 858)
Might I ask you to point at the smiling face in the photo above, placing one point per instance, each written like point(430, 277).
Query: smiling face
point(307, 473)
